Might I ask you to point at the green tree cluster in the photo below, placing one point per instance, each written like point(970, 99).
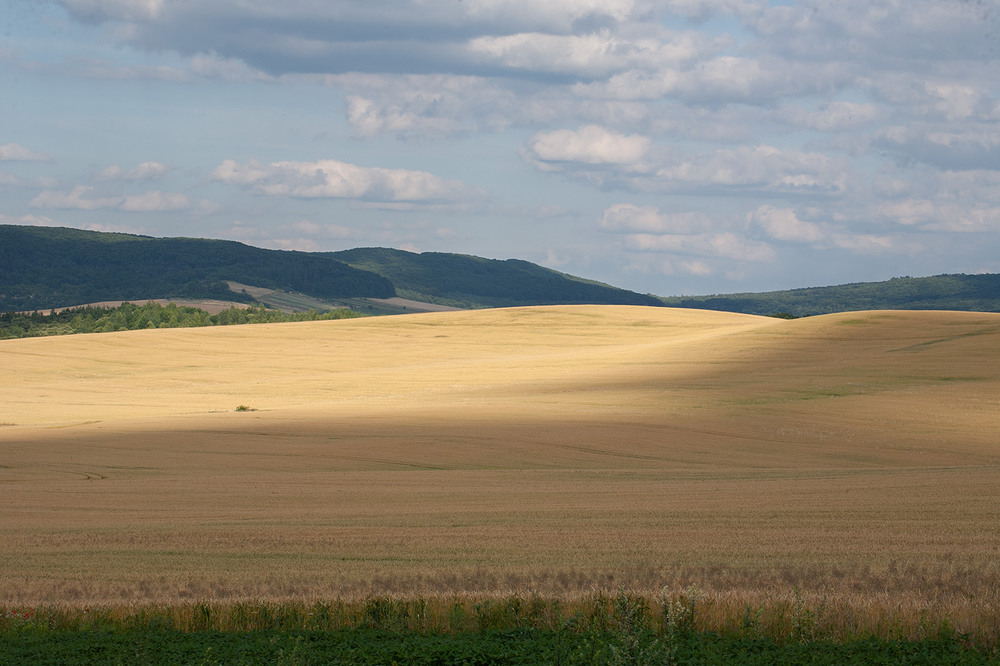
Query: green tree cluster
point(130, 317)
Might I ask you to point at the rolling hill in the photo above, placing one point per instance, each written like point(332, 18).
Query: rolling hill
point(976, 293)
point(465, 281)
point(550, 450)
point(44, 267)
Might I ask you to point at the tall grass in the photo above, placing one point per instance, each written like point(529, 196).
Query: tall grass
point(641, 621)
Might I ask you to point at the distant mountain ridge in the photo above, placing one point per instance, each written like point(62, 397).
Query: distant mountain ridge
point(52, 267)
point(975, 293)
point(45, 267)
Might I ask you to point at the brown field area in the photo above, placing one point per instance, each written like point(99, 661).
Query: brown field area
point(560, 451)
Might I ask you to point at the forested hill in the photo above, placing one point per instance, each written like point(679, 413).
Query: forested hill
point(979, 293)
point(46, 267)
point(474, 282)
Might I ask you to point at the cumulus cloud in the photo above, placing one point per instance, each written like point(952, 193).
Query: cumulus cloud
point(76, 198)
point(646, 229)
point(863, 243)
point(783, 224)
point(79, 198)
point(342, 36)
point(428, 106)
point(334, 179)
point(874, 30)
point(947, 215)
point(14, 152)
point(592, 55)
point(760, 167)
point(725, 245)
point(629, 162)
point(630, 218)
point(590, 144)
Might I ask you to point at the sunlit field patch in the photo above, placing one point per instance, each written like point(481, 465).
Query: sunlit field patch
point(562, 452)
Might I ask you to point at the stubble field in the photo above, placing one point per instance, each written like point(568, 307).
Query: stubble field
point(853, 460)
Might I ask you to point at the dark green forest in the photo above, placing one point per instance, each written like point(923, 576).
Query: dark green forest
point(465, 281)
point(978, 293)
point(44, 267)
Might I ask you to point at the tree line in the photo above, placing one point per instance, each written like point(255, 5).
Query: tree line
point(130, 317)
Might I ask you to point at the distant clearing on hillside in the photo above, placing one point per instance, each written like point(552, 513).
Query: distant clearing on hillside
point(554, 449)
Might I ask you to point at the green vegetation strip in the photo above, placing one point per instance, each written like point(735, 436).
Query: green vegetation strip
point(512, 646)
point(622, 629)
point(131, 317)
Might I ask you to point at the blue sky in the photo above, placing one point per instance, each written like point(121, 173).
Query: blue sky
point(670, 147)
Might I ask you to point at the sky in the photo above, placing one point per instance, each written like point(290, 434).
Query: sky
point(672, 147)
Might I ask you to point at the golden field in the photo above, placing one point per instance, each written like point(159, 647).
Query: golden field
point(559, 451)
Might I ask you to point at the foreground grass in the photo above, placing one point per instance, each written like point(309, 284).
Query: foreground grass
point(602, 629)
point(514, 646)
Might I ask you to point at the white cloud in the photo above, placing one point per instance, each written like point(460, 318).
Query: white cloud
point(645, 229)
point(863, 243)
point(29, 220)
point(909, 212)
point(425, 112)
point(213, 66)
point(75, 198)
point(631, 218)
point(591, 54)
point(946, 216)
point(874, 30)
point(590, 144)
point(783, 224)
point(155, 201)
point(759, 167)
point(337, 231)
point(13, 152)
point(333, 179)
point(144, 171)
point(78, 199)
point(727, 245)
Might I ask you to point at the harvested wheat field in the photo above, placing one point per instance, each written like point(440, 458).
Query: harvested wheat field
point(559, 450)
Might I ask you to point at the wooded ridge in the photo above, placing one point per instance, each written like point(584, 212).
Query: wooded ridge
point(47, 267)
point(50, 267)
